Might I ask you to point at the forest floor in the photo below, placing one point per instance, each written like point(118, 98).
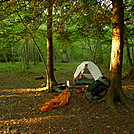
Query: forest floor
point(20, 100)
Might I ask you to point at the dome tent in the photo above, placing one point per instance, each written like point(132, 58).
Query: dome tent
point(87, 70)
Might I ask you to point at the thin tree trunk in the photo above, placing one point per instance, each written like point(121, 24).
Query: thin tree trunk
point(27, 53)
point(133, 53)
point(39, 51)
point(34, 56)
point(23, 60)
point(12, 55)
point(130, 75)
point(128, 54)
point(5, 57)
point(65, 56)
point(51, 79)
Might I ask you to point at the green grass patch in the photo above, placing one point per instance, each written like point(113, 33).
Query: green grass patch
point(17, 67)
point(8, 66)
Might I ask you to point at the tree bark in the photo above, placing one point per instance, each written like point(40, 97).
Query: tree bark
point(50, 67)
point(130, 75)
point(115, 92)
point(128, 53)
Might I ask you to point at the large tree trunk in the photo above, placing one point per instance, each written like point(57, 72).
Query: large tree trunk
point(115, 92)
point(50, 67)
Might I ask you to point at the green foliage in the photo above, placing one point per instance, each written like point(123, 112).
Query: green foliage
point(82, 29)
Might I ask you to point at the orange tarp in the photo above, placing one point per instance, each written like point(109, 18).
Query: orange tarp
point(58, 101)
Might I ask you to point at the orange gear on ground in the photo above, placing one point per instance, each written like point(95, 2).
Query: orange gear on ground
point(58, 101)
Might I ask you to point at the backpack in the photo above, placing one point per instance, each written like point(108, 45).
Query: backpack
point(97, 89)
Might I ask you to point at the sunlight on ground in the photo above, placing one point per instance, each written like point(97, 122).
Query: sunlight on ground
point(18, 113)
point(19, 92)
point(35, 120)
point(20, 95)
point(130, 87)
point(21, 103)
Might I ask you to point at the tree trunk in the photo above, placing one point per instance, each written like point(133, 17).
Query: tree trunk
point(133, 53)
point(130, 75)
point(35, 56)
point(128, 54)
point(12, 55)
point(26, 53)
point(50, 67)
point(115, 92)
point(65, 56)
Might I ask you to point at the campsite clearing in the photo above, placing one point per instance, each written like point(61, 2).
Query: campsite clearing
point(20, 101)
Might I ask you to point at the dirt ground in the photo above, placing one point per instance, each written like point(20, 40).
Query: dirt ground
point(19, 113)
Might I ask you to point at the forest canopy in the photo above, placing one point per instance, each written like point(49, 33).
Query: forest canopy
point(81, 24)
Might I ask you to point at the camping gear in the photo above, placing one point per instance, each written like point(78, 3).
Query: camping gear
point(68, 83)
point(97, 89)
point(58, 101)
point(80, 90)
point(60, 88)
point(87, 70)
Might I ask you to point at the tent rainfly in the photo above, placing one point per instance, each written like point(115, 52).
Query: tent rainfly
point(93, 71)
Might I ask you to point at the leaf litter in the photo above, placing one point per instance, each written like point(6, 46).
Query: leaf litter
point(19, 113)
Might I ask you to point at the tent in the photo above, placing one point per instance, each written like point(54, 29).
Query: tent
point(87, 70)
